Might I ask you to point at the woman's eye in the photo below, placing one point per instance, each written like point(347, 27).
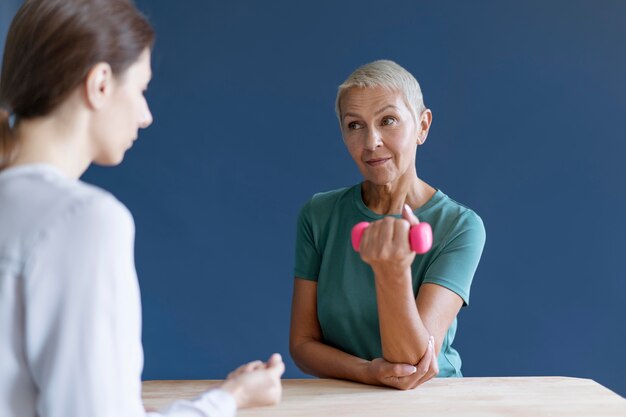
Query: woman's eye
point(388, 121)
point(354, 125)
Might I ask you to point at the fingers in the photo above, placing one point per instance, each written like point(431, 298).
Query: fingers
point(433, 368)
point(400, 235)
point(408, 215)
point(425, 370)
point(278, 369)
point(276, 365)
point(275, 362)
point(403, 382)
point(396, 375)
point(370, 242)
point(395, 382)
point(236, 372)
point(386, 229)
point(248, 367)
point(257, 383)
point(274, 359)
point(386, 238)
point(402, 370)
point(424, 363)
point(404, 376)
point(254, 365)
point(432, 372)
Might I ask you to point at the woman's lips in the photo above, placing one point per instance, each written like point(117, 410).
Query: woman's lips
point(376, 161)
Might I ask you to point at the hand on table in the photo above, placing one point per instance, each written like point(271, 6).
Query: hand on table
point(404, 376)
point(256, 383)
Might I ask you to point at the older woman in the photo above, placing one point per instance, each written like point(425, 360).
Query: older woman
point(384, 315)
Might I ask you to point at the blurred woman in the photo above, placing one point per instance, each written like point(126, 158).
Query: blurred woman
point(71, 91)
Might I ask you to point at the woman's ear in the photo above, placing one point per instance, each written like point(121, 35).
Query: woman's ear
point(424, 122)
point(98, 85)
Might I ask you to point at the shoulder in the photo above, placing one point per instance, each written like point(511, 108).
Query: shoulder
point(458, 211)
point(87, 227)
point(99, 210)
point(99, 201)
point(460, 218)
point(88, 214)
point(326, 201)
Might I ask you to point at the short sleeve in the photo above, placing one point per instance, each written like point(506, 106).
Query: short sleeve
point(308, 257)
point(455, 265)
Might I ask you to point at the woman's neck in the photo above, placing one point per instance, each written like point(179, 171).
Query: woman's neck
point(55, 140)
point(390, 198)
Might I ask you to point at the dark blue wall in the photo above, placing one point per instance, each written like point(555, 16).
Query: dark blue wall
point(528, 101)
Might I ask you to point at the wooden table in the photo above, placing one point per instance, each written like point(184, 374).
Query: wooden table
point(440, 397)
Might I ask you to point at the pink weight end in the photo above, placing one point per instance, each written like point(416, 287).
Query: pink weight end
point(357, 234)
point(421, 238)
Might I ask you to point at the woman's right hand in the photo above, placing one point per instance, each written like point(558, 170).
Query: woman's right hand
point(405, 376)
point(256, 384)
point(385, 244)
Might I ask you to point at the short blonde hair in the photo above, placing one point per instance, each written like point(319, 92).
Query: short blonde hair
point(387, 74)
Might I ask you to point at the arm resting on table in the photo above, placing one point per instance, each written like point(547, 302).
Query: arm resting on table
point(305, 341)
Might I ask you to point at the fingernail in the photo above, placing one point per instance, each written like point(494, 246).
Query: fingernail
point(414, 370)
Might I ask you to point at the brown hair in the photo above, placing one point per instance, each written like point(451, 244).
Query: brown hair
point(52, 45)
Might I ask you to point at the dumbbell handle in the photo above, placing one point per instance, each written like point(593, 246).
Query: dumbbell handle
point(420, 237)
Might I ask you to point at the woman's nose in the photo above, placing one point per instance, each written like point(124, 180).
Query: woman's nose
point(146, 118)
point(373, 139)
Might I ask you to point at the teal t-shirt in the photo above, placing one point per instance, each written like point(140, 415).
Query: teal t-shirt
point(346, 293)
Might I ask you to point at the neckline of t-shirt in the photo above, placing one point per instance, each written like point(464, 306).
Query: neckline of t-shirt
point(358, 201)
point(34, 168)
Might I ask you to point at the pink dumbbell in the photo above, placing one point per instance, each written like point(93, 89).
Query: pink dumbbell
point(420, 236)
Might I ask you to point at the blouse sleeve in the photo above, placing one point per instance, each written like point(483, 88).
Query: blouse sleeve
point(83, 319)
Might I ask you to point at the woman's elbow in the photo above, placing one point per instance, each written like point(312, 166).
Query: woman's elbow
point(299, 349)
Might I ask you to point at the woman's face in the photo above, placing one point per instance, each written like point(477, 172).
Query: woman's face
point(126, 111)
point(381, 133)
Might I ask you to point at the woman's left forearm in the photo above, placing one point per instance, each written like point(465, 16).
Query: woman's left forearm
point(403, 334)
